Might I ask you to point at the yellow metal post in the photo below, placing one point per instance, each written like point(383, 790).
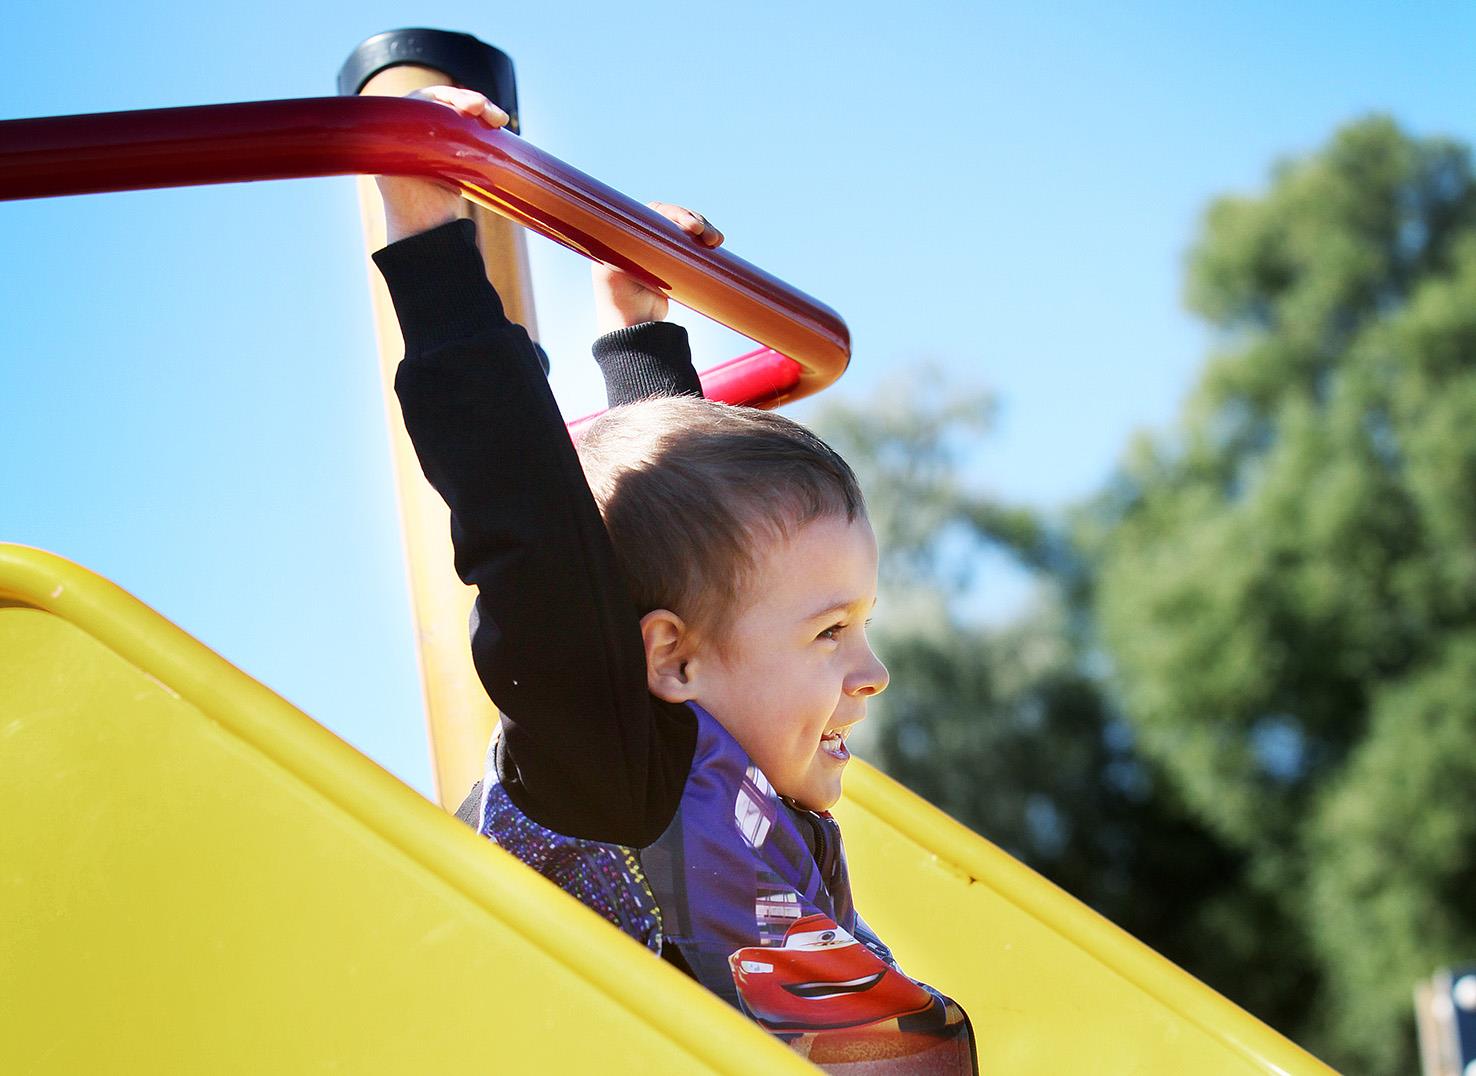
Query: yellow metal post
point(459, 717)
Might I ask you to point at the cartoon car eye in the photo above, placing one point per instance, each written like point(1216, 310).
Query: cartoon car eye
point(816, 932)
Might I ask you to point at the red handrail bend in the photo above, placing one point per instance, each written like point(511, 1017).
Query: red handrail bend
point(806, 344)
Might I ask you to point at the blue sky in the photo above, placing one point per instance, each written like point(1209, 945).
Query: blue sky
point(190, 397)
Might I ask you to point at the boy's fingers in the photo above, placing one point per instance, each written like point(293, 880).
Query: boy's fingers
point(467, 102)
point(710, 236)
point(703, 230)
point(694, 224)
point(491, 115)
point(674, 213)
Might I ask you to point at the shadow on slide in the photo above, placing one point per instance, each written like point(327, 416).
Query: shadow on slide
point(194, 876)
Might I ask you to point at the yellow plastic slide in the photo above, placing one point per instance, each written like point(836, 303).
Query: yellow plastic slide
point(196, 877)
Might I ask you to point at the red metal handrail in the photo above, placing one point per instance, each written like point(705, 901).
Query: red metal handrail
point(177, 147)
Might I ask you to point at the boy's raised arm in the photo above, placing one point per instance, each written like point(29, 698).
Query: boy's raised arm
point(640, 355)
point(556, 636)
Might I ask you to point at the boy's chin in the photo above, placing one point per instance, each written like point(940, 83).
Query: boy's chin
point(817, 799)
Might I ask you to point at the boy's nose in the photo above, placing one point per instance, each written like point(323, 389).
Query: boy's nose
point(871, 678)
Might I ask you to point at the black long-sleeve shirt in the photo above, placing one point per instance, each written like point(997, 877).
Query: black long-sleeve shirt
point(585, 749)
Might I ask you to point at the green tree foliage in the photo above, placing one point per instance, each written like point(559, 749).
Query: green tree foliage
point(1287, 586)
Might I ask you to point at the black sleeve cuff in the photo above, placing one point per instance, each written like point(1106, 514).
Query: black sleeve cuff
point(646, 360)
point(439, 286)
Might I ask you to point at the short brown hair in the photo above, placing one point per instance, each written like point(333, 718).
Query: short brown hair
point(688, 486)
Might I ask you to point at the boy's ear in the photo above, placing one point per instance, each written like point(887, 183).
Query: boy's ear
point(668, 644)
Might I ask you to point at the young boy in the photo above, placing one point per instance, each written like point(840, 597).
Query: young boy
point(677, 658)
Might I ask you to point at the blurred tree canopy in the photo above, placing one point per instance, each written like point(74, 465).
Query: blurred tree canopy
point(1287, 587)
point(1241, 721)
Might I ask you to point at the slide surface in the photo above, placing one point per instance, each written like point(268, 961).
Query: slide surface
point(194, 876)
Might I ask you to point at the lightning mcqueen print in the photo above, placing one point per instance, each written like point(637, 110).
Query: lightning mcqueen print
point(822, 977)
point(845, 1008)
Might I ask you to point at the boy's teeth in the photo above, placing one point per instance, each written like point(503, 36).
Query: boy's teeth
point(834, 742)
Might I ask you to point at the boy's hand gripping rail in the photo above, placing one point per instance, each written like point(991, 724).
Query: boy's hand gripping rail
point(806, 344)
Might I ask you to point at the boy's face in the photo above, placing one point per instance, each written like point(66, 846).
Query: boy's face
point(794, 670)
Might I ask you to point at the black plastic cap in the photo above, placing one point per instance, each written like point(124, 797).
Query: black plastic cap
point(467, 61)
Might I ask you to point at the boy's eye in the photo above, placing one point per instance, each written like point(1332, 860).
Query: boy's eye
point(832, 633)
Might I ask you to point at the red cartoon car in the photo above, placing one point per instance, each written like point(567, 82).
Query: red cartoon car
point(822, 978)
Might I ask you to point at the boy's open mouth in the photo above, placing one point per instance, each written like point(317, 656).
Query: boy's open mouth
point(833, 743)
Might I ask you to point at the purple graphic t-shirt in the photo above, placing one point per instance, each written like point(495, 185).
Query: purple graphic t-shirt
point(762, 916)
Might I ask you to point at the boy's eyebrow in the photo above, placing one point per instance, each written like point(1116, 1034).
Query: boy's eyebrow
point(840, 606)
